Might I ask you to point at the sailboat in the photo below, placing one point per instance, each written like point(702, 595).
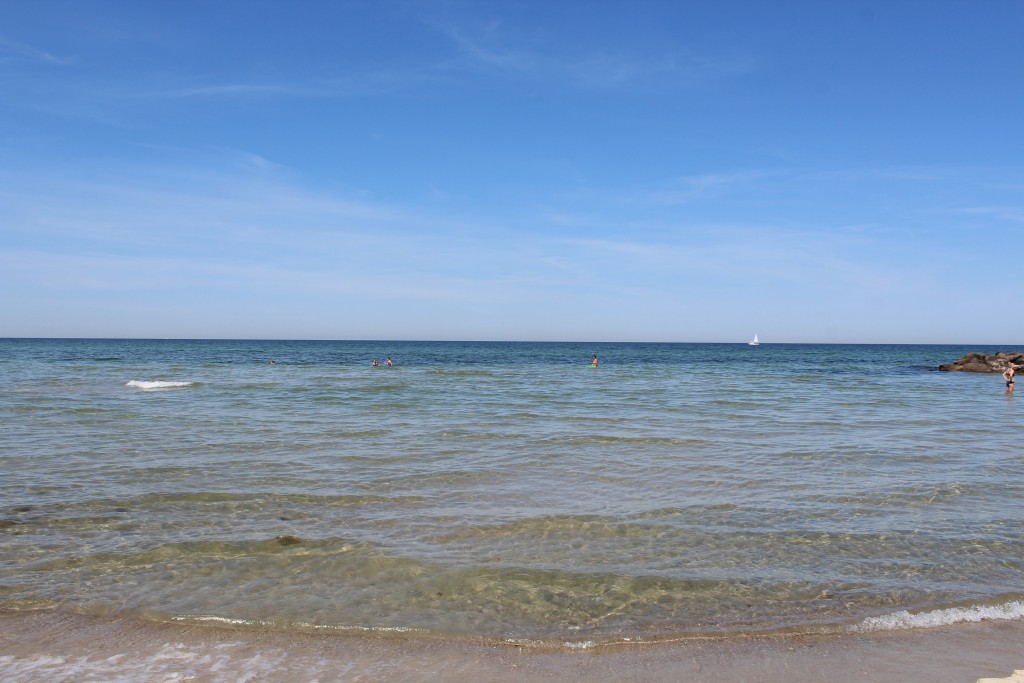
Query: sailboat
point(754, 341)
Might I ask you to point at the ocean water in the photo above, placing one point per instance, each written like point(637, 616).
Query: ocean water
point(507, 490)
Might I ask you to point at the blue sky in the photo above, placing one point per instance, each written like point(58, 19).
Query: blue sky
point(600, 171)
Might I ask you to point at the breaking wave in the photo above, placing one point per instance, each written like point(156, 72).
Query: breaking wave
point(1010, 611)
point(150, 386)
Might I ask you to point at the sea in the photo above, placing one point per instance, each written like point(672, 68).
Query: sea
point(508, 491)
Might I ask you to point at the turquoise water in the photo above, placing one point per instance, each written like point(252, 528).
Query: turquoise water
point(506, 490)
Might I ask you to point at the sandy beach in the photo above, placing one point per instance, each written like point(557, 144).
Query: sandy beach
point(45, 646)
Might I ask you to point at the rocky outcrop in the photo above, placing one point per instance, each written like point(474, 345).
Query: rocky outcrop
point(984, 362)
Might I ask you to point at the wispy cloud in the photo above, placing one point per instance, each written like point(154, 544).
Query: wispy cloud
point(689, 188)
point(358, 83)
point(484, 50)
point(12, 51)
point(231, 90)
point(765, 255)
point(1012, 214)
point(181, 208)
point(674, 70)
point(234, 232)
point(483, 46)
point(486, 47)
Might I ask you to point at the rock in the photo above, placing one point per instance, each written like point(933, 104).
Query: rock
point(984, 362)
point(288, 540)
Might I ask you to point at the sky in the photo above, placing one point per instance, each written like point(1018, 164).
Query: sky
point(678, 171)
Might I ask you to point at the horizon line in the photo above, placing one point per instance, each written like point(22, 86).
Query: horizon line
point(498, 341)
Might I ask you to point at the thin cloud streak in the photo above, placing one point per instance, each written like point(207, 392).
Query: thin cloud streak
point(219, 228)
point(1011, 214)
point(688, 189)
point(364, 83)
point(485, 49)
point(19, 52)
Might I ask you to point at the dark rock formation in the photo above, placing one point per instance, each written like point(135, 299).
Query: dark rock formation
point(984, 362)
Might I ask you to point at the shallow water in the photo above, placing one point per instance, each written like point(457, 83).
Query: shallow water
point(506, 490)
point(61, 647)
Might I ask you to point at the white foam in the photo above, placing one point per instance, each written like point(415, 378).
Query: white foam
point(1010, 611)
point(150, 386)
point(168, 663)
point(223, 620)
point(333, 628)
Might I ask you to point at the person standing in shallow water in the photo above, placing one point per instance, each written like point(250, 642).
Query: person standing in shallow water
point(594, 361)
point(1008, 376)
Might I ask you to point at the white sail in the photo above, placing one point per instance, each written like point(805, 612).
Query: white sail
point(754, 341)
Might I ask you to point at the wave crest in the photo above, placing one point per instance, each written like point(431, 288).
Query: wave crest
point(150, 386)
point(1010, 611)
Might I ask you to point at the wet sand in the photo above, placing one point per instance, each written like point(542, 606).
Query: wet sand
point(48, 646)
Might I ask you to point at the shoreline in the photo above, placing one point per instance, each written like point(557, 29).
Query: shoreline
point(55, 646)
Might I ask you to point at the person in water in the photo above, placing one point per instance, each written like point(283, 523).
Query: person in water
point(1008, 376)
point(375, 363)
point(594, 361)
point(388, 361)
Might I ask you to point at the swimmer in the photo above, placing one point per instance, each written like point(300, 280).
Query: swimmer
point(388, 361)
point(594, 361)
point(375, 363)
point(1008, 376)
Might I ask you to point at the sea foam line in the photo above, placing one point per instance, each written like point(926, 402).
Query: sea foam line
point(210, 618)
point(149, 386)
point(1010, 611)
